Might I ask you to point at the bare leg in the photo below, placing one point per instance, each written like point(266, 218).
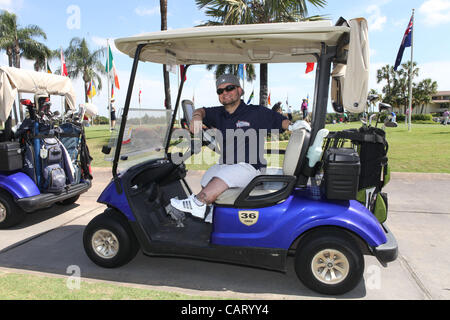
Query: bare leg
point(212, 191)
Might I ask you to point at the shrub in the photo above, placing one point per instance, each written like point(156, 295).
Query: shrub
point(421, 117)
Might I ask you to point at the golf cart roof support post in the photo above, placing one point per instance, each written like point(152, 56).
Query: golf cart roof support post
point(125, 115)
point(175, 111)
point(322, 89)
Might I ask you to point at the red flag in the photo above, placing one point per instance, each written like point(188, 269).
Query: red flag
point(63, 65)
point(182, 68)
point(140, 92)
point(309, 67)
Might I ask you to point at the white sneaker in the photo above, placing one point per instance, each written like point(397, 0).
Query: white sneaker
point(188, 205)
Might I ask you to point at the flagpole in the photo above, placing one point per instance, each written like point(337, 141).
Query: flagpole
point(62, 72)
point(108, 70)
point(411, 71)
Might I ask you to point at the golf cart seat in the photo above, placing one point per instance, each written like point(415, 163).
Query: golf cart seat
point(257, 194)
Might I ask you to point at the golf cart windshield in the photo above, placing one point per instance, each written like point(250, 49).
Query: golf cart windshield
point(299, 42)
point(144, 136)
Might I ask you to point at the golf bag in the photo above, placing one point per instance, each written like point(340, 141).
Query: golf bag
point(54, 178)
point(70, 137)
point(372, 147)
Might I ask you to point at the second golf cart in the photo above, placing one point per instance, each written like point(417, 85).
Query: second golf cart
point(325, 227)
point(44, 159)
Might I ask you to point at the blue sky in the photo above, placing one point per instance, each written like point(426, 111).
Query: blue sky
point(98, 20)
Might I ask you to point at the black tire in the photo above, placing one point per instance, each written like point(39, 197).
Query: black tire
point(314, 265)
point(119, 241)
point(69, 201)
point(10, 213)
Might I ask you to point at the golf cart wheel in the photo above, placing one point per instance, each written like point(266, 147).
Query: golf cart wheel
point(69, 201)
point(109, 241)
point(10, 213)
point(329, 262)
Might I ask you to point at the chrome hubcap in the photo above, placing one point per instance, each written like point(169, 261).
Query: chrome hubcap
point(2, 212)
point(330, 266)
point(105, 244)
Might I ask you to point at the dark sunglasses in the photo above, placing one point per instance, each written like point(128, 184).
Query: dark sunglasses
point(227, 89)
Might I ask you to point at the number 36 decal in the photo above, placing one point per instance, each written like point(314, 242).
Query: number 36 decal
point(249, 218)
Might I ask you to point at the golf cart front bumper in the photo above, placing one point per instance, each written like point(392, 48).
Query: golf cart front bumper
point(45, 200)
point(388, 251)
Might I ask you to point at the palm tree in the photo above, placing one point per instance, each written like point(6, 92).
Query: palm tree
point(232, 68)
point(385, 74)
point(404, 79)
point(14, 39)
point(423, 92)
point(168, 100)
point(82, 62)
point(396, 89)
point(18, 41)
point(258, 11)
point(40, 54)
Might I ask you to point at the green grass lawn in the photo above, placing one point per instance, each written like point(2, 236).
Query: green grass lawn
point(425, 149)
point(96, 138)
point(36, 287)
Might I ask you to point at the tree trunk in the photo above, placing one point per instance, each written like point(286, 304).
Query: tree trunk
point(168, 100)
point(17, 65)
point(263, 80)
point(86, 98)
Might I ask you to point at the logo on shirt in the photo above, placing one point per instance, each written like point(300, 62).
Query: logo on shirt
point(242, 124)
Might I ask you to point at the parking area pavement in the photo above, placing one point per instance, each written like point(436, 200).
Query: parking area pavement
point(50, 241)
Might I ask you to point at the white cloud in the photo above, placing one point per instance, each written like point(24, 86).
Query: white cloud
point(11, 5)
point(376, 20)
point(145, 11)
point(433, 70)
point(435, 11)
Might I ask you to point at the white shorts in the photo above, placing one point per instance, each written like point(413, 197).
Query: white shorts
point(234, 175)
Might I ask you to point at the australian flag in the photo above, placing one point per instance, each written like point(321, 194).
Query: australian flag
point(405, 43)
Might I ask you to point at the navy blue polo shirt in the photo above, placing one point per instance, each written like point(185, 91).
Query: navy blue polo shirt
point(243, 132)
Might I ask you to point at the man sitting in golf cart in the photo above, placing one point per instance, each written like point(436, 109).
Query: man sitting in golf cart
point(239, 163)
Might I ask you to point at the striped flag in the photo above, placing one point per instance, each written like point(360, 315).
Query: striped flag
point(48, 68)
point(251, 97)
point(111, 68)
point(63, 65)
point(91, 91)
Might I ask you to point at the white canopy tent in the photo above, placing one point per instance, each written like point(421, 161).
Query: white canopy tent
point(13, 81)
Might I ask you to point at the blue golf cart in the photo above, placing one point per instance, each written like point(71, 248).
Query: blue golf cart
point(41, 157)
point(309, 209)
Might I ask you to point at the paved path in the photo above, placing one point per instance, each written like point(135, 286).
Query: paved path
point(50, 241)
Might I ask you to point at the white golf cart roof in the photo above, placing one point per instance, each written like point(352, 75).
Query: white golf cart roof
point(13, 81)
point(233, 44)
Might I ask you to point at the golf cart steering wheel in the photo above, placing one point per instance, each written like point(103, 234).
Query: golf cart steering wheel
point(188, 109)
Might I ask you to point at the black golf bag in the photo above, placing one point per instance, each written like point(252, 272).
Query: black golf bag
point(372, 147)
